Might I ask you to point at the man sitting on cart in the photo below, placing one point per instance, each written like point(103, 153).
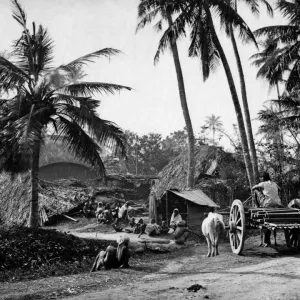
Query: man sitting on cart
point(266, 195)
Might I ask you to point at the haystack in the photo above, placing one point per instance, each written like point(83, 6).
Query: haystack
point(219, 174)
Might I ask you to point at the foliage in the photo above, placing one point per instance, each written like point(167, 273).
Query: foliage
point(149, 153)
point(281, 43)
point(40, 252)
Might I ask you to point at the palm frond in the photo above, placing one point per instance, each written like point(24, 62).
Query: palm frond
point(147, 17)
point(290, 10)
point(106, 133)
point(92, 104)
point(280, 33)
point(79, 143)
point(227, 14)
point(83, 60)
point(18, 13)
point(87, 89)
point(173, 33)
point(11, 76)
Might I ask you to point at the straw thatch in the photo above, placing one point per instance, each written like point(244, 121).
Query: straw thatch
point(55, 198)
point(15, 196)
point(218, 173)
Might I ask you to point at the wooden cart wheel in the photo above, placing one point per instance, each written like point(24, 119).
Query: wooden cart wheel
point(292, 238)
point(237, 227)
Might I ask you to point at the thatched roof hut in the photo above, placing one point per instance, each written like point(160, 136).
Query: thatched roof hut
point(219, 174)
point(54, 199)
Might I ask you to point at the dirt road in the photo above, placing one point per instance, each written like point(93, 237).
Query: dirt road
point(261, 273)
point(275, 279)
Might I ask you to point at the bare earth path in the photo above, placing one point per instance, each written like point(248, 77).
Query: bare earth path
point(276, 279)
point(261, 273)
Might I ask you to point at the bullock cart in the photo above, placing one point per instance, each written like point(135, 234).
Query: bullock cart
point(242, 217)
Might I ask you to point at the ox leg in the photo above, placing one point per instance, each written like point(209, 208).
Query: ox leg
point(261, 238)
point(217, 246)
point(209, 246)
point(275, 235)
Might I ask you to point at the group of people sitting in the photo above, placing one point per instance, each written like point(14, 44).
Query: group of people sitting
point(104, 212)
point(152, 228)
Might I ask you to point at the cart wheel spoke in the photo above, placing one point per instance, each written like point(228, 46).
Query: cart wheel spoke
point(237, 236)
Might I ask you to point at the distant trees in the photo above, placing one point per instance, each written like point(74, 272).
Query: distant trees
point(148, 154)
point(214, 123)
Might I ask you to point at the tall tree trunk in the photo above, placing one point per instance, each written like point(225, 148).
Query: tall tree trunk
point(280, 149)
point(234, 96)
point(185, 110)
point(246, 107)
point(34, 205)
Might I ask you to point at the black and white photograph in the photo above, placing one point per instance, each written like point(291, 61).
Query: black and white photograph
point(149, 149)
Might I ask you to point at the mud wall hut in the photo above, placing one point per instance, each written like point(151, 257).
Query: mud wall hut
point(192, 205)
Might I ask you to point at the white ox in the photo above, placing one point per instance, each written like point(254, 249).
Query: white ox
point(212, 227)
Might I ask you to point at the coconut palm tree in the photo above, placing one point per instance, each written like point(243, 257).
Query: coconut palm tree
point(254, 6)
point(197, 14)
point(214, 123)
point(205, 44)
point(147, 11)
point(42, 97)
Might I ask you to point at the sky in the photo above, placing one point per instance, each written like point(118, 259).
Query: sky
point(79, 27)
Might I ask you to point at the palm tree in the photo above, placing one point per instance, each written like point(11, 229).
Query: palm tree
point(147, 11)
point(206, 45)
point(42, 97)
point(214, 123)
point(254, 6)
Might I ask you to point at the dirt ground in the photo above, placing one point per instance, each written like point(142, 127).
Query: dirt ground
point(260, 273)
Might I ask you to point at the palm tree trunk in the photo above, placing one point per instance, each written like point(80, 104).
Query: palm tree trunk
point(34, 206)
point(185, 110)
point(246, 107)
point(234, 96)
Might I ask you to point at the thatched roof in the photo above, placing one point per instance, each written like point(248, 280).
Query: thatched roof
point(15, 198)
point(56, 198)
point(223, 169)
point(195, 196)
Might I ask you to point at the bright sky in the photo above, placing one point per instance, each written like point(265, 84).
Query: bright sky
point(82, 26)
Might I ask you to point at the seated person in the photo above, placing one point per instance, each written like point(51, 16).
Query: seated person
point(175, 219)
point(164, 227)
point(152, 228)
point(139, 227)
point(266, 192)
point(266, 195)
point(115, 211)
point(99, 209)
point(106, 216)
point(123, 211)
point(132, 222)
point(87, 209)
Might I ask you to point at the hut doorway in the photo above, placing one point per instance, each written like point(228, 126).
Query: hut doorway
point(169, 202)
